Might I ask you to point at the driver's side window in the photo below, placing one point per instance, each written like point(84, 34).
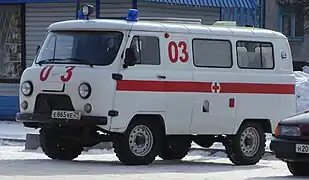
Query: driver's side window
point(146, 49)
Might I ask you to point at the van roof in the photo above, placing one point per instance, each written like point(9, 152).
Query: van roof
point(148, 25)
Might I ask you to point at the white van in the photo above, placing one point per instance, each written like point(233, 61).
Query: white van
point(153, 86)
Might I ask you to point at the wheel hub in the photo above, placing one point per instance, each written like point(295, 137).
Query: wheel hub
point(140, 140)
point(250, 142)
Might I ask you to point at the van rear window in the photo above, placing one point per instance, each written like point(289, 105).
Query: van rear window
point(212, 53)
point(255, 55)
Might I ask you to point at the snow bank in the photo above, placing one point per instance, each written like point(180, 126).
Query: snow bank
point(14, 130)
point(302, 89)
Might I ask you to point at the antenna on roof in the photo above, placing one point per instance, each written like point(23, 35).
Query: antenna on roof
point(172, 20)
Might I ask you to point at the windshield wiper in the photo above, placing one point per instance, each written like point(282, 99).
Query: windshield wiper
point(80, 61)
point(51, 60)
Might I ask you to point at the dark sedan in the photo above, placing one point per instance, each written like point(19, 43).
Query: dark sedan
point(291, 143)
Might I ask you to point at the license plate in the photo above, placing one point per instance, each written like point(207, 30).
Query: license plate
point(302, 148)
point(66, 115)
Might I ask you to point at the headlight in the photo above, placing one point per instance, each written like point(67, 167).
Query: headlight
point(27, 88)
point(288, 131)
point(84, 90)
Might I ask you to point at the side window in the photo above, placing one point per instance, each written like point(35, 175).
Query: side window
point(147, 49)
point(212, 53)
point(255, 55)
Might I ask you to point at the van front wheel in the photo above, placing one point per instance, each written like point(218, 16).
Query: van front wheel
point(248, 146)
point(139, 145)
point(56, 147)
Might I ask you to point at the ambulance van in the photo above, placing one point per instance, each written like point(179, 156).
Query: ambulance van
point(153, 86)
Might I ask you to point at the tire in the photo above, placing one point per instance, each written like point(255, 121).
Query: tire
point(204, 141)
point(236, 145)
point(125, 145)
point(56, 147)
point(175, 148)
point(298, 168)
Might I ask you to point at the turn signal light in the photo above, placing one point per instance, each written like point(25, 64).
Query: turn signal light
point(277, 131)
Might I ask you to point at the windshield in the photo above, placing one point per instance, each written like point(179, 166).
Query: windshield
point(93, 48)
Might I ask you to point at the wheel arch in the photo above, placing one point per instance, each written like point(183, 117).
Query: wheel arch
point(156, 118)
point(265, 123)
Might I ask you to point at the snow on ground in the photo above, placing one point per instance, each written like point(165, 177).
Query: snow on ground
point(15, 163)
point(14, 130)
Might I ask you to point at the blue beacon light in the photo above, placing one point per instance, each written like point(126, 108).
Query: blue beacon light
point(132, 15)
point(80, 15)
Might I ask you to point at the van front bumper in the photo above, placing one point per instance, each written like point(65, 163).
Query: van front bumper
point(46, 119)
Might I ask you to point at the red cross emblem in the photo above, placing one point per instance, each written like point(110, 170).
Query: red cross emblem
point(215, 87)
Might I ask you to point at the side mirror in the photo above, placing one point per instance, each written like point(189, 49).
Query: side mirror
point(130, 57)
point(37, 49)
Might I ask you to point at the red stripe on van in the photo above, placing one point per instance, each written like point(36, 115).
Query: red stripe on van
point(257, 88)
point(180, 86)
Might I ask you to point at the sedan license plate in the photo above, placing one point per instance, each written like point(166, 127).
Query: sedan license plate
point(302, 148)
point(66, 115)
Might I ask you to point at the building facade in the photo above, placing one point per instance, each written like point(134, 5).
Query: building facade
point(24, 24)
point(291, 23)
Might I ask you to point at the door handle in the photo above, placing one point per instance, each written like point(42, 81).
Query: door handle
point(161, 76)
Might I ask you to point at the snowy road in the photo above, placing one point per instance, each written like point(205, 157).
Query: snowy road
point(15, 163)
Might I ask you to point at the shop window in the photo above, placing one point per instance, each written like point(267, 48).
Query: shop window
point(245, 16)
point(11, 45)
point(291, 23)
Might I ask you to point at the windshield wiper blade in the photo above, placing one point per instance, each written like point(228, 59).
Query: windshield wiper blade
point(51, 60)
point(74, 59)
point(80, 61)
point(48, 60)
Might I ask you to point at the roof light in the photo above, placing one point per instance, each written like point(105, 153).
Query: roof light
point(132, 15)
point(87, 10)
point(80, 15)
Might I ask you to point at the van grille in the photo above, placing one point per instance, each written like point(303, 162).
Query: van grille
point(45, 103)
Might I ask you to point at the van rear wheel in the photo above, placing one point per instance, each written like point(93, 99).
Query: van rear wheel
point(247, 147)
point(140, 144)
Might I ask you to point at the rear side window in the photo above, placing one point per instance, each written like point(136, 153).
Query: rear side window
point(212, 53)
point(147, 49)
point(255, 55)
